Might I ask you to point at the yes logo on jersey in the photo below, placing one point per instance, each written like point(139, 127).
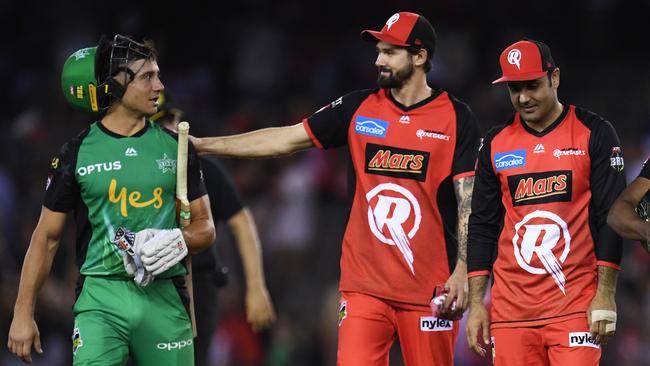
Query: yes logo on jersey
point(395, 162)
point(510, 159)
point(370, 126)
point(544, 187)
point(134, 198)
point(542, 243)
point(394, 216)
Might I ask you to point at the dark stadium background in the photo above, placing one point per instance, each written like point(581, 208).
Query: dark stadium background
point(248, 64)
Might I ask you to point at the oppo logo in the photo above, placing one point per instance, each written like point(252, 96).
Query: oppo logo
point(100, 167)
point(169, 346)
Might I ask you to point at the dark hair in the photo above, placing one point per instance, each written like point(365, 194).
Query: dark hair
point(113, 56)
point(428, 64)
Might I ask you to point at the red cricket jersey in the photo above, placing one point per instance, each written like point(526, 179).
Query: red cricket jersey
point(545, 196)
point(400, 239)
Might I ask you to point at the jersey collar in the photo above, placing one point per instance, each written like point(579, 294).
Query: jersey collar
point(118, 136)
point(548, 129)
point(434, 95)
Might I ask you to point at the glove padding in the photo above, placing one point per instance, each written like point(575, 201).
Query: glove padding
point(133, 266)
point(128, 242)
point(161, 252)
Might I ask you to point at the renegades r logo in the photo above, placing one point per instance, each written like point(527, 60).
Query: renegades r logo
point(395, 162)
point(544, 187)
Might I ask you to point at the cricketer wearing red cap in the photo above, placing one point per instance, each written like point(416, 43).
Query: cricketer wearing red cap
point(412, 150)
point(545, 181)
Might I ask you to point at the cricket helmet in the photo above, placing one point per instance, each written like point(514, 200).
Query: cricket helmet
point(88, 77)
point(79, 81)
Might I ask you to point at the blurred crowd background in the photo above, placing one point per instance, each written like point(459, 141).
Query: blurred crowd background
point(237, 66)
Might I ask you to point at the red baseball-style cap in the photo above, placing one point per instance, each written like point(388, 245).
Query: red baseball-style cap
point(525, 60)
point(407, 30)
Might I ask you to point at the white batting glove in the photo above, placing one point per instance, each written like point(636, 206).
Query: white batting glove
point(161, 252)
point(127, 242)
point(129, 264)
point(133, 266)
point(142, 237)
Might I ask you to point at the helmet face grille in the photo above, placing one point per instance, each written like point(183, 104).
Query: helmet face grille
point(123, 51)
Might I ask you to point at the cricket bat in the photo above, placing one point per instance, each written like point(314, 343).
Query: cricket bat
point(181, 196)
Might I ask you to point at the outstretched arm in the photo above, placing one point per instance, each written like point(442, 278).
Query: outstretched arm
point(259, 308)
point(23, 333)
point(622, 217)
point(264, 143)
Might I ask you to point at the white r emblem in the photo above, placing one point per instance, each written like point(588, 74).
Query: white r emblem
point(393, 212)
point(514, 56)
point(548, 229)
point(392, 20)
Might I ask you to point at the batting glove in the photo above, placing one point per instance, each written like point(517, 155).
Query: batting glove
point(133, 266)
point(165, 249)
point(128, 243)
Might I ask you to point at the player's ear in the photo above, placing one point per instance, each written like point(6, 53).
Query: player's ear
point(555, 78)
point(421, 57)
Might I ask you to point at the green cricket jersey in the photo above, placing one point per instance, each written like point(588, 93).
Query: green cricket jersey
point(110, 181)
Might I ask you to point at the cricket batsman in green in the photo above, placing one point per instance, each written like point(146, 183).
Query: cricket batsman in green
point(117, 178)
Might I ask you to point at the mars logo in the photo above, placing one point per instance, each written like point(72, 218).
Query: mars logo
point(549, 230)
point(391, 210)
point(395, 162)
point(544, 187)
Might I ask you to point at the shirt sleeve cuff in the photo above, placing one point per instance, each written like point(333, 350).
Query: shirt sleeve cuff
point(478, 273)
point(463, 175)
point(608, 264)
point(305, 123)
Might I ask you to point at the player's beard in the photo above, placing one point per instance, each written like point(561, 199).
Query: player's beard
point(396, 79)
